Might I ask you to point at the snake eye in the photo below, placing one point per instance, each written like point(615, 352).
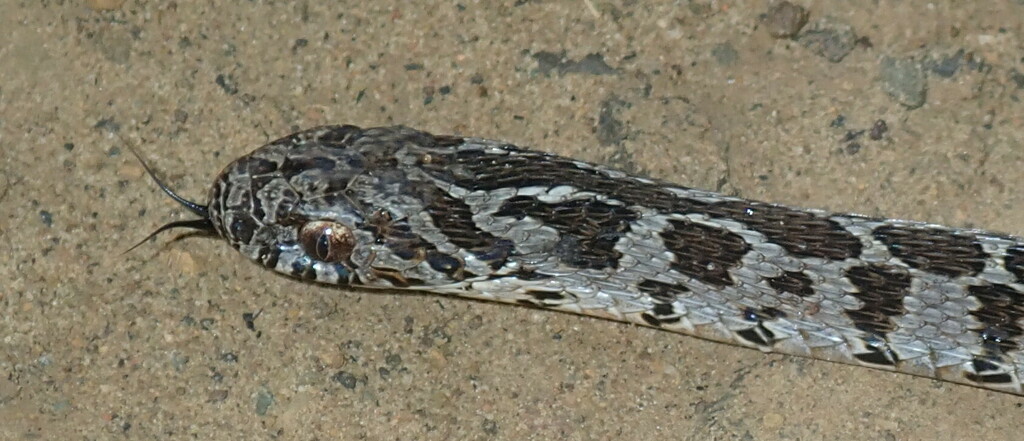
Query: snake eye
point(327, 241)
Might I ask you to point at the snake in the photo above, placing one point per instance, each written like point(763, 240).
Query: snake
point(399, 208)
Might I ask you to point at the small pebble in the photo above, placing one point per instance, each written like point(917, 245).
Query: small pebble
point(46, 217)
point(839, 121)
point(178, 361)
point(1017, 78)
point(904, 79)
point(393, 360)
point(207, 323)
point(784, 20)
point(346, 379)
point(264, 399)
point(107, 124)
point(227, 83)
point(44, 360)
point(490, 427)
point(829, 38)
point(592, 64)
point(724, 54)
point(948, 66)
point(878, 129)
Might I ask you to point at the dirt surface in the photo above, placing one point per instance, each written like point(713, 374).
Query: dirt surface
point(152, 345)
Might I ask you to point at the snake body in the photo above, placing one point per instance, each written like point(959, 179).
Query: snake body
point(393, 207)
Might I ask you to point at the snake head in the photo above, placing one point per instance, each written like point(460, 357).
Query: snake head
point(284, 205)
point(340, 205)
point(288, 205)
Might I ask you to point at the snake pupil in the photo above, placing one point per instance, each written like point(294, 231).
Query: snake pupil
point(327, 241)
point(323, 245)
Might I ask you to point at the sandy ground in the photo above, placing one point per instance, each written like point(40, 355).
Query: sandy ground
point(153, 345)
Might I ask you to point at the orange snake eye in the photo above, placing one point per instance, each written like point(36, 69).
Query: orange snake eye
point(327, 241)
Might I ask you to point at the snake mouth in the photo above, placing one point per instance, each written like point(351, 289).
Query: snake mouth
point(204, 224)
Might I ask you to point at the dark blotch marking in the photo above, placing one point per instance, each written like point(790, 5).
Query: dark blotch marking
point(793, 282)
point(882, 289)
point(446, 264)
point(216, 203)
point(545, 299)
point(1014, 262)
point(455, 219)
point(704, 252)
point(293, 166)
point(934, 250)
point(303, 271)
point(759, 334)
point(879, 353)
point(257, 166)
point(878, 357)
point(257, 209)
point(661, 314)
point(545, 295)
point(1001, 312)
point(447, 141)
point(503, 248)
point(270, 257)
point(398, 236)
point(982, 366)
point(394, 277)
point(297, 268)
point(529, 274)
point(589, 229)
point(663, 309)
point(529, 303)
point(663, 292)
point(800, 233)
point(651, 320)
point(762, 338)
point(309, 273)
point(760, 315)
point(242, 228)
point(479, 170)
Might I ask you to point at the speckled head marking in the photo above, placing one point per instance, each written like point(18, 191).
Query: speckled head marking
point(393, 207)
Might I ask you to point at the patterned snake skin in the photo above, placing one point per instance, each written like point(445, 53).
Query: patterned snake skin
point(398, 208)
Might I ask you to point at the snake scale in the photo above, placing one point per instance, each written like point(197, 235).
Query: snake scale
point(393, 207)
